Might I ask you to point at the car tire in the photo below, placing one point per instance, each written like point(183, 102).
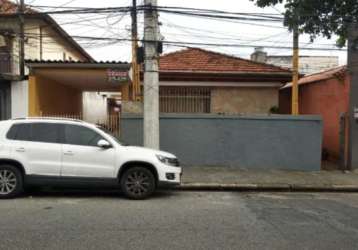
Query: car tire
point(11, 182)
point(137, 183)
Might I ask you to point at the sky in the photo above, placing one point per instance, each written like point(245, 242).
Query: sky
point(183, 29)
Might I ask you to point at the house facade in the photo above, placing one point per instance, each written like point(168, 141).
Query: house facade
point(326, 94)
point(195, 80)
point(44, 39)
point(80, 90)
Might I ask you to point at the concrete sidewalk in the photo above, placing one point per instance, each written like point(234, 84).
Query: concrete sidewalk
point(225, 178)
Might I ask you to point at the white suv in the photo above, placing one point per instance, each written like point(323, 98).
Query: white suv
point(56, 152)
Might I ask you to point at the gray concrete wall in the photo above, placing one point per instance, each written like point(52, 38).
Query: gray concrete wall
point(252, 142)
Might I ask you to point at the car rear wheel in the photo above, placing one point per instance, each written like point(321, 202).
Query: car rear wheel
point(11, 183)
point(137, 183)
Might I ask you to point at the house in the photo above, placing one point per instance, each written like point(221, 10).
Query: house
point(327, 94)
point(195, 80)
point(90, 91)
point(44, 40)
point(307, 64)
point(61, 78)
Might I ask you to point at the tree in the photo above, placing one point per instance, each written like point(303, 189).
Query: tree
point(318, 17)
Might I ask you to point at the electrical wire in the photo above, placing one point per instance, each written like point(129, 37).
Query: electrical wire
point(235, 17)
point(249, 43)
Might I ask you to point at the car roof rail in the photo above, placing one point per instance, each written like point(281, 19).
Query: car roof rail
point(48, 118)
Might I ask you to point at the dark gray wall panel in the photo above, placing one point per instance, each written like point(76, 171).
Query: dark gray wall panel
point(256, 142)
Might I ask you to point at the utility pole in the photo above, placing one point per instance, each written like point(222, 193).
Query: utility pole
point(21, 11)
point(151, 76)
point(135, 67)
point(353, 98)
point(295, 61)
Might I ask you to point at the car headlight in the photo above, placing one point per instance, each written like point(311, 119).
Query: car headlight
point(168, 161)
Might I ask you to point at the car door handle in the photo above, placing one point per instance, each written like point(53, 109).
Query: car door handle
point(21, 149)
point(68, 153)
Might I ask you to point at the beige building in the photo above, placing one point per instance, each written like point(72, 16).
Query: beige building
point(44, 40)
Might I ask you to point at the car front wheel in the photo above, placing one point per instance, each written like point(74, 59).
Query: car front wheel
point(10, 181)
point(137, 183)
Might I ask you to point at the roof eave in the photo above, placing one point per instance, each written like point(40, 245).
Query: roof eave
point(225, 72)
point(281, 77)
point(33, 65)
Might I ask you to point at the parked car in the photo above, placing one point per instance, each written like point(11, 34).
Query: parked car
point(64, 152)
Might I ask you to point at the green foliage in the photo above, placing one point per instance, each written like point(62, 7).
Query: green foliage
point(274, 110)
point(318, 17)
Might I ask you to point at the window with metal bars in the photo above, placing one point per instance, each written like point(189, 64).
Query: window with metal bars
point(184, 99)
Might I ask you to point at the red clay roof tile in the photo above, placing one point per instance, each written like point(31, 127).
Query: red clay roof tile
point(8, 7)
point(320, 76)
point(200, 60)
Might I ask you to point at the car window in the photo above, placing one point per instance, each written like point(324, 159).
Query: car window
point(21, 132)
point(11, 134)
point(39, 132)
point(80, 135)
point(44, 132)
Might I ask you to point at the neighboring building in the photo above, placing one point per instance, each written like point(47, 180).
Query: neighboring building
point(195, 80)
point(327, 94)
point(88, 91)
point(44, 40)
point(307, 64)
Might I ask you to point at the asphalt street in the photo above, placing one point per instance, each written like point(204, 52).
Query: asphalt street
point(180, 220)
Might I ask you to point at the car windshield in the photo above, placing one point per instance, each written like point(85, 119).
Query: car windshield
point(108, 132)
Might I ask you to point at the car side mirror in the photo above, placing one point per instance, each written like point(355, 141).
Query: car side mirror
point(103, 144)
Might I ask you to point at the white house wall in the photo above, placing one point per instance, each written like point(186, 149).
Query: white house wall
point(54, 47)
point(19, 99)
point(94, 107)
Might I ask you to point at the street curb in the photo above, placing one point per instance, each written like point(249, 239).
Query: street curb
point(266, 187)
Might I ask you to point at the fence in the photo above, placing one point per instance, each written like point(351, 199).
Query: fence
point(253, 142)
point(184, 100)
point(111, 123)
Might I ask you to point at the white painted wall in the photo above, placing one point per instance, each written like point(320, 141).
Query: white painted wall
point(19, 99)
point(94, 107)
point(55, 47)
